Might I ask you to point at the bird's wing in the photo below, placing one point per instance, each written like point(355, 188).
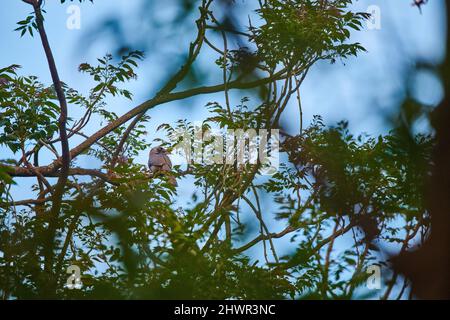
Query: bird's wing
point(167, 164)
point(160, 162)
point(155, 160)
point(150, 161)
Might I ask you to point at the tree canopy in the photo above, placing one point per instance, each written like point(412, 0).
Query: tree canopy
point(121, 224)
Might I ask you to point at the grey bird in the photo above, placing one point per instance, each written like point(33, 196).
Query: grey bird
point(159, 161)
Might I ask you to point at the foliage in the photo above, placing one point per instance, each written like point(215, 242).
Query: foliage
point(123, 226)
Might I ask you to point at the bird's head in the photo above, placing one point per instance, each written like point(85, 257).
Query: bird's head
point(159, 150)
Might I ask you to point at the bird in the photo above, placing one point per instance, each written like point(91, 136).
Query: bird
point(159, 161)
point(3, 82)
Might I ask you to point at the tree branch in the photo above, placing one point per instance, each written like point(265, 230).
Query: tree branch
point(65, 158)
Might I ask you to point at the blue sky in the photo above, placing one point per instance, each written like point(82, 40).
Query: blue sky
point(358, 91)
point(364, 90)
